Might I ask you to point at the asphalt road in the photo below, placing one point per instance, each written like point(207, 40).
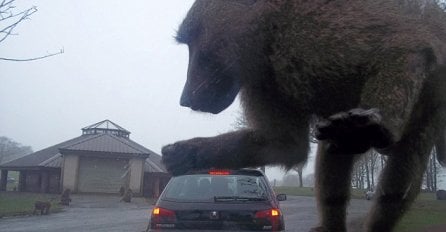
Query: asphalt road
point(86, 213)
point(107, 214)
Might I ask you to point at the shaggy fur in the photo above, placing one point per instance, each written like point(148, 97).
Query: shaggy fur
point(42, 206)
point(121, 191)
point(65, 197)
point(372, 72)
point(127, 196)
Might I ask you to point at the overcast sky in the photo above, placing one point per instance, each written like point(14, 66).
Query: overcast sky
point(120, 63)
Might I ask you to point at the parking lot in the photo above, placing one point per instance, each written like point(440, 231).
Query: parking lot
point(99, 213)
point(102, 213)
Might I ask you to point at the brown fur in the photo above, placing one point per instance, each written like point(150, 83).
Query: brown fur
point(381, 63)
point(65, 197)
point(42, 206)
point(121, 191)
point(127, 197)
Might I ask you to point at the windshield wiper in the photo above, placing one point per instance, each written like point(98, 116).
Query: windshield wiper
point(252, 198)
point(225, 198)
point(238, 198)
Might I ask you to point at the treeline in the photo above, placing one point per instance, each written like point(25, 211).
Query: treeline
point(367, 169)
point(365, 174)
point(10, 149)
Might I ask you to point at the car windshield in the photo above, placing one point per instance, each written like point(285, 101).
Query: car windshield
point(216, 188)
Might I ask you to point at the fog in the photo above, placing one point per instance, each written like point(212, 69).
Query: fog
point(120, 62)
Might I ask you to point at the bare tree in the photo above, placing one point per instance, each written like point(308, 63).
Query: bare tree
point(10, 19)
point(373, 167)
point(358, 174)
point(368, 167)
point(365, 171)
point(289, 180)
point(299, 169)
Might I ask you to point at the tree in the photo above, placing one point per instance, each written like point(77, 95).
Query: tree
point(372, 163)
point(299, 169)
point(10, 19)
point(365, 171)
point(9, 149)
point(289, 180)
point(358, 175)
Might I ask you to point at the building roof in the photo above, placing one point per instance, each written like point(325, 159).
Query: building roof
point(154, 164)
point(40, 158)
point(106, 127)
point(107, 144)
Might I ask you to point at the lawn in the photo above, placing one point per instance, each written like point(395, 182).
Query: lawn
point(307, 191)
point(425, 212)
point(17, 203)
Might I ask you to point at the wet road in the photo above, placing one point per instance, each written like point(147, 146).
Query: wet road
point(107, 214)
point(86, 213)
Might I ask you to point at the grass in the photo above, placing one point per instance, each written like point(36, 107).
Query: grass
point(425, 212)
point(18, 203)
point(307, 191)
point(294, 191)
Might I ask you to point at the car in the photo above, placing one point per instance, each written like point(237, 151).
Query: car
point(231, 200)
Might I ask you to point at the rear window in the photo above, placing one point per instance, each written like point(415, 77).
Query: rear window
point(216, 188)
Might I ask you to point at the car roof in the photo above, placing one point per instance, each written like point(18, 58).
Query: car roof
point(244, 171)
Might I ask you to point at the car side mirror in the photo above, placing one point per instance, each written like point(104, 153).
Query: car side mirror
point(281, 197)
